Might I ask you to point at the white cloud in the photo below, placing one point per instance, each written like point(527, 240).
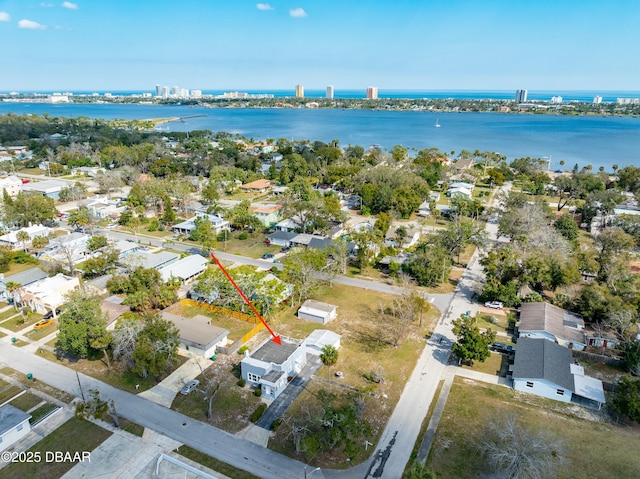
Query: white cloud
point(70, 6)
point(297, 12)
point(30, 25)
point(46, 5)
point(264, 6)
point(4, 17)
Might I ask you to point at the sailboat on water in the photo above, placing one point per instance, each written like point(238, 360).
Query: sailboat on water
point(437, 125)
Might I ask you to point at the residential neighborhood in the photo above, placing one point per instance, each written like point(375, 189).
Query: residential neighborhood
point(353, 316)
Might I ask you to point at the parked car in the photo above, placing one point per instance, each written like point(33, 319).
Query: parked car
point(43, 323)
point(501, 348)
point(268, 256)
point(493, 304)
point(189, 387)
point(49, 314)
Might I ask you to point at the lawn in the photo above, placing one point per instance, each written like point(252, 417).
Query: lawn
point(363, 350)
point(607, 449)
point(8, 391)
point(39, 385)
point(494, 364)
point(252, 247)
point(73, 436)
point(496, 321)
point(26, 401)
point(18, 323)
point(232, 404)
point(7, 314)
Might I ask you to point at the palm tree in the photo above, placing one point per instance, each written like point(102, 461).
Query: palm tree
point(23, 237)
point(329, 357)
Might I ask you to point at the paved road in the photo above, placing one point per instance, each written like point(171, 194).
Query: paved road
point(209, 440)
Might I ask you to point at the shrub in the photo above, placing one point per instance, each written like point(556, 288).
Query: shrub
point(257, 392)
point(243, 236)
point(276, 423)
point(241, 382)
point(257, 414)
point(243, 349)
point(153, 226)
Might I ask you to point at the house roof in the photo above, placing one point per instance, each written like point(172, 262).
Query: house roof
point(150, 260)
point(318, 305)
point(197, 330)
point(542, 359)
point(47, 186)
point(257, 185)
point(283, 235)
point(10, 417)
point(270, 352)
point(113, 310)
point(546, 317)
point(26, 277)
point(321, 338)
point(185, 267)
point(268, 209)
point(586, 386)
point(272, 376)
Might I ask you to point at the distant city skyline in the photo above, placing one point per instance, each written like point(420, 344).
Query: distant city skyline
point(407, 44)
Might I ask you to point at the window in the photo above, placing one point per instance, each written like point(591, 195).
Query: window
point(254, 378)
point(560, 392)
point(529, 384)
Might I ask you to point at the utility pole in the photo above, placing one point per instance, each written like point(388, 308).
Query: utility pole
point(80, 386)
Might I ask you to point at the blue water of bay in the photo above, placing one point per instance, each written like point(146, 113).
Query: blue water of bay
point(582, 140)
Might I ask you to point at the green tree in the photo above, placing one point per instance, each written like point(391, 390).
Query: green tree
point(418, 471)
point(626, 400)
point(83, 326)
point(169, 215)
point(567, 227)
point(80, 217)
point(29, 208)
point(97, 242)
point(156, 347)
point(472, 344)
point(204, 234)
point(23, 237)
point(430, 265)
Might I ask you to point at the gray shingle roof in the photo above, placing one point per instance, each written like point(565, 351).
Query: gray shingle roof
point(542, 359)
point(271, 352)
point(549, 318)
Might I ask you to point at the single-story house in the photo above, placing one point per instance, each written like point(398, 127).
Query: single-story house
point(424, 209)
point(464, 192)
point(186, 268)
point(392, 239)
point(462, 184)
point(50, 188)
point(197, 335)
point(321, 338)
point(463, 164)
point(23, 278)
point(70, 246)
point(268, 215)
point(11, 184)
point(544, 320)
point(186, 227)
point(602, 339)
point(400, 259)
point(126, 248)
point(114, 308)
point(303, 239)
point(547, 369)
point(258, 186)
point(14, 425)
point(281, 238)
point(150, 260)
point(286, 225)
point(328, 243)
point(47, 294)
point(317, 311)
point(270, 366)
point(10, 239)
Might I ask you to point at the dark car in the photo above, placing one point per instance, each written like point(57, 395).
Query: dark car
point(268, 256)
point(49, 314)
point(502, 348)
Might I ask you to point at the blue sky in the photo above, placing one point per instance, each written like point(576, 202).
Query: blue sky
point(393, 44)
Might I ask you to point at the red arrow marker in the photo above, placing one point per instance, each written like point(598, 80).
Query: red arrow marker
point(276, 339)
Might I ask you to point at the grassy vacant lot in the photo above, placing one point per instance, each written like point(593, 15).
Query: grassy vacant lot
point(252, 247)
point(8, 391)
point(593, 447)
point(72, 436)
point(492, 365)
point(363, 350)
point(26, 401)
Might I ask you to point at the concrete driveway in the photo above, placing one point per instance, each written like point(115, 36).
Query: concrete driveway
point(165, 392)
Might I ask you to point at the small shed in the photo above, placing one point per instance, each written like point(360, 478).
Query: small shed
point(14, 425)
point(317, 311)
point(321, 338)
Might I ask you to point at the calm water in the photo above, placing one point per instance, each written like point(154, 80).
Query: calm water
point(598, 141)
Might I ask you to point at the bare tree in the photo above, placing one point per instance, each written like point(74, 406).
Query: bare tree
point(125, 336)
point(519, 453)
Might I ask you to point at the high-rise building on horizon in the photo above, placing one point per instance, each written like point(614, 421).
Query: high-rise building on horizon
point(597, 99)
point(330, 91)
point(299, 91)
point(521, 96)
point(158, 90)
point(372, 93)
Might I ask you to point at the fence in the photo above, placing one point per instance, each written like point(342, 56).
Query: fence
point(217, 309)
point(599, 358)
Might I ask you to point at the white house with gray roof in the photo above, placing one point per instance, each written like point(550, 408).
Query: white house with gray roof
point(14, 425)
point(186, 268)
point(546, 369)
point(544, 320)
point(270, 366)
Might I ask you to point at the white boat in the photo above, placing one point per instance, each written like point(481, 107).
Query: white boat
point(437, 125)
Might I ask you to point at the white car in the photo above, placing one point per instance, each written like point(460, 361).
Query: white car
point(493, 304)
